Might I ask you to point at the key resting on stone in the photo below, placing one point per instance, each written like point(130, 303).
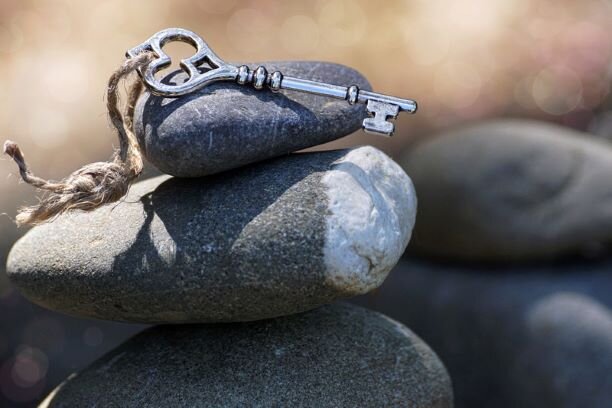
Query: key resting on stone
point(205, 67)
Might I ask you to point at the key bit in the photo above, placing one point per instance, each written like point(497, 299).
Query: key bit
point(205, 67)
point(378, 122)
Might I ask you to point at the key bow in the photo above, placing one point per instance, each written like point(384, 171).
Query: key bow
point(193, 66)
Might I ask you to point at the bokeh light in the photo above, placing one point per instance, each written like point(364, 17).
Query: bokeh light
point(462, 60)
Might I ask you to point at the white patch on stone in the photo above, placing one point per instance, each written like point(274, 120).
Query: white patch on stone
point(163, 243)
point(371, 213)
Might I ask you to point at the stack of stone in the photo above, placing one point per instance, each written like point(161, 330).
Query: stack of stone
point(512, 286)
point(251, 249)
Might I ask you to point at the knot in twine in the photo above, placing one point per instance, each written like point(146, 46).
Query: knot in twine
point(95, 184)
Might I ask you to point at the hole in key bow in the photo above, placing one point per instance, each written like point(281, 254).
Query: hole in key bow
point(177, 51)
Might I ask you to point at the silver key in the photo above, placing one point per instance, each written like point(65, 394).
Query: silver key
point(205, 67)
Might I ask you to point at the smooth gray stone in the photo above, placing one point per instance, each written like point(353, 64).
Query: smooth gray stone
point(529, 336)
point(512, 190)
point(226, 125)
point(266, 240)
point(336, 356)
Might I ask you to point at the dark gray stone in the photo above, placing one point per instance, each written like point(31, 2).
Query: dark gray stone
point(226, 125)
point(270, 239)
point(531, 336)
point(512, 190)
point(336, 356)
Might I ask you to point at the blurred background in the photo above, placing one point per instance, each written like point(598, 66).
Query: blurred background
point(462, 60)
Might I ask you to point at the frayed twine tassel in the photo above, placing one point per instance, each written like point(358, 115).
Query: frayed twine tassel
point(94, 184)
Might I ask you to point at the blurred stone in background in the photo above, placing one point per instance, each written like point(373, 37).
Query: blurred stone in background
point(512, 190)
point(462, 61)
point(522, 336)
point(601, 123)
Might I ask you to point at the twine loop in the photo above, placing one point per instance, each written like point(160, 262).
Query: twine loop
point(95, 184)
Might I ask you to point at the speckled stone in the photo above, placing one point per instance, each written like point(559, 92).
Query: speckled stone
point(270, 239)
point(514, 336)
point(336, 356)
point(226, 125)
point(512, 190)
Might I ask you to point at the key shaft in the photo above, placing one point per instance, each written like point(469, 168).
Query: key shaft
point(406, 105)
point(313, 87)
point(342, 92)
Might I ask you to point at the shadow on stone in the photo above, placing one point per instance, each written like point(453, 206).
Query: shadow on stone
point(217, 229)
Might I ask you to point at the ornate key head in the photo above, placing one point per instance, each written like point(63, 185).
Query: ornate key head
point(202, 68)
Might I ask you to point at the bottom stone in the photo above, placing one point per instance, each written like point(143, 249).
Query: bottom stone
point(338, 355)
